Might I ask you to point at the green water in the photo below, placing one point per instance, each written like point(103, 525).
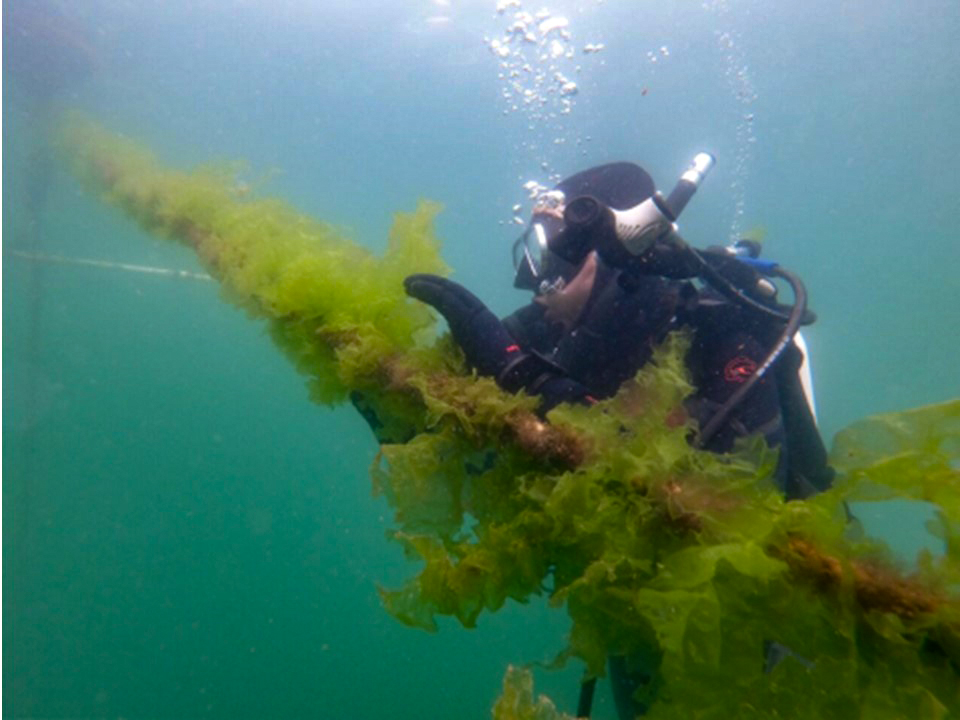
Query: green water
point(185, 534)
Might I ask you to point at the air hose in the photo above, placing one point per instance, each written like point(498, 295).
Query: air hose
point(724, 286)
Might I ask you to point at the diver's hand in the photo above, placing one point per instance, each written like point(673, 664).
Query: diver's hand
point(485, 342)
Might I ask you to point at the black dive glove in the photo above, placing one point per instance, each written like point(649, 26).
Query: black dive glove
point(485, 342)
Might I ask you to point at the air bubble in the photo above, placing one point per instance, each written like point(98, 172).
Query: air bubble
point(538, 54)
point(553, 25)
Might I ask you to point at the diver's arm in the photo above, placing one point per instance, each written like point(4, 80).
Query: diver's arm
point(528, 326)
point(809, 469)
point(489, 347)
point(486, 344)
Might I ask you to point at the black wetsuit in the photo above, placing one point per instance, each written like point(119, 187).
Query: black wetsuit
point(623, 320)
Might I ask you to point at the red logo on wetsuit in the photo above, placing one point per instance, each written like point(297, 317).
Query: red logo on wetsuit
point(739, 369)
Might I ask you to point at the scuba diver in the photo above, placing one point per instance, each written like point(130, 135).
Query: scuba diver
point(611, 277)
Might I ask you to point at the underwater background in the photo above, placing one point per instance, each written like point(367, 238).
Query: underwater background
point(184, 533)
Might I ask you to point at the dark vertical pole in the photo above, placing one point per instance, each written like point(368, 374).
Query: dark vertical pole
point(585, 704)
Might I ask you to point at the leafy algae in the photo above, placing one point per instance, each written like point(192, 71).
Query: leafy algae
point(646, 541)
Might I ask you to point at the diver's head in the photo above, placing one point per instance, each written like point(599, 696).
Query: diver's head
point(619, 186)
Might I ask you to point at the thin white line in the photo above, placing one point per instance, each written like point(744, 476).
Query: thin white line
point(59, 259)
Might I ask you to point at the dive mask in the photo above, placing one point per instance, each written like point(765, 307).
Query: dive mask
point(528, 252)
point(537, 267)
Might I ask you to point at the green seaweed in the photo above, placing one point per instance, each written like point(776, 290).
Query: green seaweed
point(517, 701)
point(336, 309)
point(649, 544)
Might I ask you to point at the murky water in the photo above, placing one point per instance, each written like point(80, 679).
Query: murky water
point(185, 534)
